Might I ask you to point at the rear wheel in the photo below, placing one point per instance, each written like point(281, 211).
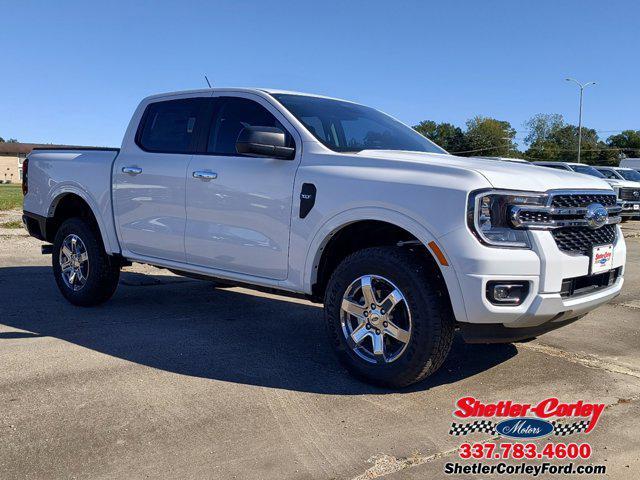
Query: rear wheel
point(84, 273)
point(388, 318)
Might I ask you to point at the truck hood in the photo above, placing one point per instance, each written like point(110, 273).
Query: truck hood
point(622, 183)
point(500, 174)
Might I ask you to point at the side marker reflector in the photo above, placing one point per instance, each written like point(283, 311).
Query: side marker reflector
point(438, 253)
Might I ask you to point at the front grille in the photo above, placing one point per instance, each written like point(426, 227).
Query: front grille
point(583, 239)
point(577, 200)
point(630, 194)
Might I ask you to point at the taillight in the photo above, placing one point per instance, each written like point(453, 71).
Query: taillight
point(25, 176)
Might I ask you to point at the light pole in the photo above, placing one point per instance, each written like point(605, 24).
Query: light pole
point(582, 87)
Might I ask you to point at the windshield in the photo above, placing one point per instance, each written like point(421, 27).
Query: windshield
point(630, 175)
point(348, 127)
point(587, 170)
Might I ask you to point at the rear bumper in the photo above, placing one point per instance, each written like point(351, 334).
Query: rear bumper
point(35, 224)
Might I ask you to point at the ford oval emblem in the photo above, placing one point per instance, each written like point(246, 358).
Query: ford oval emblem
point(597, 216)
point(524, 428)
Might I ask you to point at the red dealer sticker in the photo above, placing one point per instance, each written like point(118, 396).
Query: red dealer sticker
point(550, 408)
point(601, 259)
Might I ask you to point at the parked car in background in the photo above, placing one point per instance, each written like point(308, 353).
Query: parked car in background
point(338, 202)
point(624, 188)
point(572, 167)
point(633, 163)
point(629, 196)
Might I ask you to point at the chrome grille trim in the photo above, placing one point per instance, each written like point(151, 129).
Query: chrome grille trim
point(565, 208)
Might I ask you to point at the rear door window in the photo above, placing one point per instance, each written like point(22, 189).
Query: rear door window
point(172, 126)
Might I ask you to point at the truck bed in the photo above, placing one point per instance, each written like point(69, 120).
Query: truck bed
point(86, 172)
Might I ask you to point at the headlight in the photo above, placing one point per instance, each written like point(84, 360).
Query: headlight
point(489, 216)
point(617, 190)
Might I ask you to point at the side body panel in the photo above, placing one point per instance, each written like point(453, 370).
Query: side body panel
point(239, 221)
point(149, 206)
point(376, 190)
point(426, 197)
point(86, 173)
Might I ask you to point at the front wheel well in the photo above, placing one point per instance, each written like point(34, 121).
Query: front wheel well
point(366, 234)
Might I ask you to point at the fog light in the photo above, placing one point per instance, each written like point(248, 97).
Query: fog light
point(507, 293)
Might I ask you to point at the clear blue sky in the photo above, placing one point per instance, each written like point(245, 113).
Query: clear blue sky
point(73, 71)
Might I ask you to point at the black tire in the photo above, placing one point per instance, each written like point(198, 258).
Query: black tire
point(432, 319)
point(103, 271)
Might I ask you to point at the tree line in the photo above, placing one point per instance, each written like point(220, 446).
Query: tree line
point(548, 137)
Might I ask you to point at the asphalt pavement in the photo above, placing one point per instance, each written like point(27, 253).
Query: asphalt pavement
point(174, 378)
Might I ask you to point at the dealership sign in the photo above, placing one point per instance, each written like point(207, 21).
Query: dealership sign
point(525, 420)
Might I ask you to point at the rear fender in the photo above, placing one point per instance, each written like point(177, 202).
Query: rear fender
point(105, 225)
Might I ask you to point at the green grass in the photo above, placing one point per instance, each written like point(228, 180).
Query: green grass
point(11, 197)
point(13, 224)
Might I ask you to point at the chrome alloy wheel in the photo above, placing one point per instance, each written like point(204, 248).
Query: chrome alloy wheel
point(375, 319)
point(74, 262)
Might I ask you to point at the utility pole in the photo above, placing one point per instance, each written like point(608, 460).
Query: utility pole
point(582, 87)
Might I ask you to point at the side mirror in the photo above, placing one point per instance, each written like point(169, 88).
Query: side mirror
point(264, 142)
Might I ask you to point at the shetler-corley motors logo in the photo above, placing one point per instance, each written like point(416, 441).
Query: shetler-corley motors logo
point(524, 420)
point(603, 258)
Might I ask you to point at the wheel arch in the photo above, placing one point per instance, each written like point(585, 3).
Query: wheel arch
point(323, 256)
point(72, 202)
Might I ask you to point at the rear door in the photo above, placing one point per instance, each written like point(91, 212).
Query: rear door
point(149, 178)
point(239, 207)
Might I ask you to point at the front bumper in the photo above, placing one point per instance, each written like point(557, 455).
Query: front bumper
point(498, 333)
point(629, 208)
point(545, 267)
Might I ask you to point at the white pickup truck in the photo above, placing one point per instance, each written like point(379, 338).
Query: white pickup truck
point(337, 202)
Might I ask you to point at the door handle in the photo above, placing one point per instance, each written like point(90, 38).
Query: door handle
point(204, 175)
point(132, 170)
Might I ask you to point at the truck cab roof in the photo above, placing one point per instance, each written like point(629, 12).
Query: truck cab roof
point(269, 91)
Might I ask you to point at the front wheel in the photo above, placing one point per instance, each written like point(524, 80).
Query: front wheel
point(84, 273)
point(388, 317)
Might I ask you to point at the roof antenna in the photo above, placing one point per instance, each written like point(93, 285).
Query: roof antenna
point(208, 82)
